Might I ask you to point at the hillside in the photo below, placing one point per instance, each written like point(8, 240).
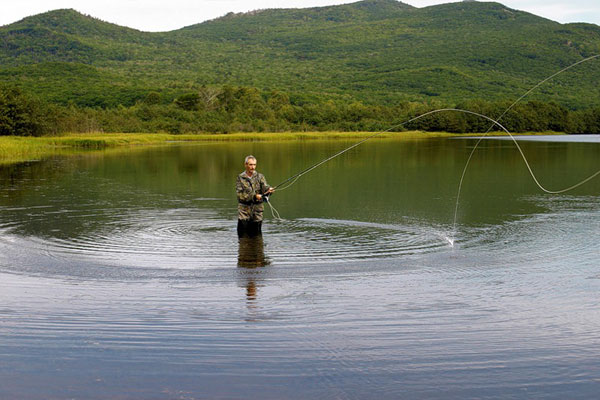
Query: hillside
point(376, 51)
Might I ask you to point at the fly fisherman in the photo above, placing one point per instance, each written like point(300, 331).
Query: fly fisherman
point(252, 189)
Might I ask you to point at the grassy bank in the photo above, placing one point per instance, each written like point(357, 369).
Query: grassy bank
point(16, 149)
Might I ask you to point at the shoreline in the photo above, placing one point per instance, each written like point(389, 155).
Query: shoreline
point(15, 149)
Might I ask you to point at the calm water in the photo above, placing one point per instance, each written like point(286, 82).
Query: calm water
point(121, 275)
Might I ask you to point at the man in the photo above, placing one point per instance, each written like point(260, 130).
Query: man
point(251, 188)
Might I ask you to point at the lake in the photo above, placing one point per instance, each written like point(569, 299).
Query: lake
point(122, 276)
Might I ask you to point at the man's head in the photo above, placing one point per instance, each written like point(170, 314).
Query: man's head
point(250, 163)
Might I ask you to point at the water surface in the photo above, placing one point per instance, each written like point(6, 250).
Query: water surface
point(121, 275)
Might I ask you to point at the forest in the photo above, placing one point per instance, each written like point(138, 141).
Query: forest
point(228, 109)
point(365, 66)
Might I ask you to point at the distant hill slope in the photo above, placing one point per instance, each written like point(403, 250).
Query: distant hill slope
point(377, 51)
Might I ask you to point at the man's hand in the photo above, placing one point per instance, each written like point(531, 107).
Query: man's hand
point(259, 197)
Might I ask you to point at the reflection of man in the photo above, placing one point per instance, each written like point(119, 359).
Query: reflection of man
point(251, 255)
point(251, 188)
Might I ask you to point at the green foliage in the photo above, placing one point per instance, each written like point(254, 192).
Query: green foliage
point(152, 98)
point(188, 101)
point(360, 66)
point(587, 121)
point(374, 51)
point(22, 115)
point(242, 109)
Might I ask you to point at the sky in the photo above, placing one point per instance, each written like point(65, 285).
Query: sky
point(167, 15)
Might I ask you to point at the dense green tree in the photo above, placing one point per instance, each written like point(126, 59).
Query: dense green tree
point(188, 101)
point(591, 120)
point(245, 109)
point(152, 98)
point(22, 115)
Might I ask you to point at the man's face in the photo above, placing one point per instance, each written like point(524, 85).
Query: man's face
point(250, 166)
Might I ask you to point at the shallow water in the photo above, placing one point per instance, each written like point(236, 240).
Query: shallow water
point(121, 275)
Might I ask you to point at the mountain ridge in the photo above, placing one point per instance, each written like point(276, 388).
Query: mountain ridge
point(65, 19)
point(378, 51)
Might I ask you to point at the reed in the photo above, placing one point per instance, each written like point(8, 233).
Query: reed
point(17, 149)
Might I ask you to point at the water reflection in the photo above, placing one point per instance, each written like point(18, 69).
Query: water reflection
point(118, 262)
point(251, 252)
point(251, 256)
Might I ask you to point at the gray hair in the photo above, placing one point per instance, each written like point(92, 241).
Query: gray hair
point(250, 157)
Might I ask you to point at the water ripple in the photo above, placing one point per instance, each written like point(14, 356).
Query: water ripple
point(192, 239)
point(158, 243)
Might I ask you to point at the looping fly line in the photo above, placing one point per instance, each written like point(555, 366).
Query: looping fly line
point(495, 122)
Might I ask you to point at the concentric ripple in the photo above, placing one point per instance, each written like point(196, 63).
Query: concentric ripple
point(179, 242)
point(326, 240)
point(555, 236)
point(201, 239)
point(155, 239)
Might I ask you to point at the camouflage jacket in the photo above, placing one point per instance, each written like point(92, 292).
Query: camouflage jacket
point(247, 188)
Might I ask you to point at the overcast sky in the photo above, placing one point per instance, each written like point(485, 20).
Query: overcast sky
point(166, 15)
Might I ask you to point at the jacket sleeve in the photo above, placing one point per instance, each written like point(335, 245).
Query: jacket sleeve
point(264, 186)
point(243, 190)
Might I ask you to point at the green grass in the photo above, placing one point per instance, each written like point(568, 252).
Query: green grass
point(14, 149)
